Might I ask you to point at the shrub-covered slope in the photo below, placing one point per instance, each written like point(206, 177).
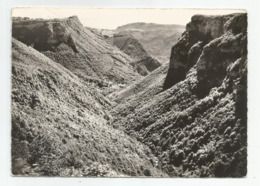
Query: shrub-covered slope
point(143, 89)
point(157, 39)
point(143, 63)
point(78, 49)
point(61, 126)
point(197, 126)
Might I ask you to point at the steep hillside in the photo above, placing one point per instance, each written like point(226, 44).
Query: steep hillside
point(77, 48)
point(156, 39)
point(197, 126)
point(143, 63)
point(61, 125)
point(143, 89)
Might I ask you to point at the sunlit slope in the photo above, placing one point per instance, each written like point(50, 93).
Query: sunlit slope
point(61, 126)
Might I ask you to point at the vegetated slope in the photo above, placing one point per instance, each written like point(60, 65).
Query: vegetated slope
point(61, 126)
point(78, 49)
point(197, 127)
point(143, 89)
point(157, 39)
point(143, 63)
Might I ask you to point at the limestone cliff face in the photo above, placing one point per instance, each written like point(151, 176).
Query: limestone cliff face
point(213, 42)
point(78, 49)
point(208, 25)
point(219, 53)
point(43, 35)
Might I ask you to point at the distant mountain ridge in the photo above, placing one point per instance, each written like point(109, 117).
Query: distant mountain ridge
point(142, 25)
point(157, 39)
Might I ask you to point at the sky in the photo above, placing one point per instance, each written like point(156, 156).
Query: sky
point(111, 18)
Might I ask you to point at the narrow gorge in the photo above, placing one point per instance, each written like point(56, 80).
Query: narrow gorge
point(130, 102)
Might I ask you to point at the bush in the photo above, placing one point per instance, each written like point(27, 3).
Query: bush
point(147, 172)
point(195, 146)
point(228, 146)
point(202, 159)
point(219, 169)
point(176, 157)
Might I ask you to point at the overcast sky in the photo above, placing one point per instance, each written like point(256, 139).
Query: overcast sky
point(112, 18)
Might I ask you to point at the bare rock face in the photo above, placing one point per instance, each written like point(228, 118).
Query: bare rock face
point(208, 25)
point(216, 57)
point(42, 35)
point(79, 49)
point(143, 63)
point(184, 55)
point(213, 42)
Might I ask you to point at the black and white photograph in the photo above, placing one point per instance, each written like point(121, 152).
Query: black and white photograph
point(125, 92)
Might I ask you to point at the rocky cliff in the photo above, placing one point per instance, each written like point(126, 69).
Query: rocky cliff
point(78, 49)
point(213, 42)
point(196, 124)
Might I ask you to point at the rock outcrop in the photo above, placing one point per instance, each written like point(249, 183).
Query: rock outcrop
point(78, 49)
point(213, 42)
